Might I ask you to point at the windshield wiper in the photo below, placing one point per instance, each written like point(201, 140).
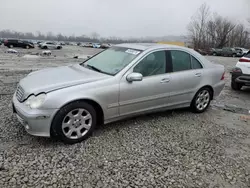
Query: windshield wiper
point(98, 70)
point(94, 68)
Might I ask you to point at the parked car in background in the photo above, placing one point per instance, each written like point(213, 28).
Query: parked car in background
point(88, 45)
point(202, 52)
point(125, 80)
point(105, 46)
point(230, 52)
point(96, 45)
point(62, 43)
point(10, 43)
point(241, 51)
point(241, 73)
point(50, 45)
point(216, 51)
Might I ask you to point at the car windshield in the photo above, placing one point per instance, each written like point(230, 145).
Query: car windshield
point(112, 60)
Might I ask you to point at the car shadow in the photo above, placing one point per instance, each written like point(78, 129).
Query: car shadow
point(34, 142)
point(246, 89)
point(141, 118)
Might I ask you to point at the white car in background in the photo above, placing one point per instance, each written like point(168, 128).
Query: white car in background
point(242, 51)
point(50, 45)
point(241, 73)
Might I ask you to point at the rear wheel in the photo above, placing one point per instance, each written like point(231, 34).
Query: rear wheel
point(74, 122)
point(235, 86)
point(45, 47)
point(27, 47)
point(201, 100)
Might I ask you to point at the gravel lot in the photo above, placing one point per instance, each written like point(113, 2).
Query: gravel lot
point(169, 149)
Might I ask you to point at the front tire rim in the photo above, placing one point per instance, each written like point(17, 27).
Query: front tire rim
point(202, 100)
point(77, 123)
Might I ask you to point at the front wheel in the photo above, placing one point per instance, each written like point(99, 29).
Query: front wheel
point(74, 122)
point(27, 47)
point(201, 100)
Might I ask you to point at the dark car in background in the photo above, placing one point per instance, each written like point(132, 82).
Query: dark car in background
point(230, 52)
point(10, 43)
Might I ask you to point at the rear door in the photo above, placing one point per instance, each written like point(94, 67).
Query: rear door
point(186, 77)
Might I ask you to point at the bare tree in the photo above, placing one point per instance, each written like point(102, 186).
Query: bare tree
point(197, 27)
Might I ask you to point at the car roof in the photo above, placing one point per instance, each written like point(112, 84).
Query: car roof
point(146, 46)
point(155, 46)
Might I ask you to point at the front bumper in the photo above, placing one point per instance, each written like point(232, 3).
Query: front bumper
point(36, 122)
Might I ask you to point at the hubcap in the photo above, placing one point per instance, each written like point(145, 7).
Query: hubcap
point(76, 123)
point(202, 100)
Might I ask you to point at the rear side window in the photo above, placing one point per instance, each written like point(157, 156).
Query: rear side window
point(195, 63)
point(247, 55)
point(181, 61)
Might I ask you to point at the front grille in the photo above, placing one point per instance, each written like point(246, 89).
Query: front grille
point(19, 93)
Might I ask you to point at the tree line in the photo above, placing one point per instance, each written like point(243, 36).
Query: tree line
point(210, 30)
point(94, 37)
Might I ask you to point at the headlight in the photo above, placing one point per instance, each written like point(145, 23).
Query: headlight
point(35, 101)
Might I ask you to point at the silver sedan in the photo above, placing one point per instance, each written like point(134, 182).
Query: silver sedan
point(123, 81)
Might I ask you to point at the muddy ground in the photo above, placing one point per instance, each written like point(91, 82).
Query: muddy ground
point(168, 149)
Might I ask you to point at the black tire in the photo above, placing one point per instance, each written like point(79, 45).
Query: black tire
point(59, 47)
point(193, 105)
point(234, 55)
point(235, 86)
point(45, 47)
point(214, 54)
point(11, 46)
point(27, 47)
point(56, 127)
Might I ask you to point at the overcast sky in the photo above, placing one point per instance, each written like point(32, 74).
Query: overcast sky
point(121, 18)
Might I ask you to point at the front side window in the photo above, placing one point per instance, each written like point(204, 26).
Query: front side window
point(112, 60)
point(181, 61)
point(152, 64)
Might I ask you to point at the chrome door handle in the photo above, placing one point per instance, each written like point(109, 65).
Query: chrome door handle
point(165, 80)
point(198, 74)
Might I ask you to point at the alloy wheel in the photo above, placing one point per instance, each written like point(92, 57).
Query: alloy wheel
point(77, 123)
point(202, 100)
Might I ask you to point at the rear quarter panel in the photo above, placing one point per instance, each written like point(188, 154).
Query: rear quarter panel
point(212, 76)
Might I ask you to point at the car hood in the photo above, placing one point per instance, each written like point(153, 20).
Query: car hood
point(51, 79)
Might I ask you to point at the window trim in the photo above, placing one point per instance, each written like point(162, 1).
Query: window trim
point(139, 61)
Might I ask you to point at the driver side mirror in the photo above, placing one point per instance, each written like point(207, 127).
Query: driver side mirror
point(134, 76)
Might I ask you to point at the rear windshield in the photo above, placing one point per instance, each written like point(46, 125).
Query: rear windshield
point(247, 55)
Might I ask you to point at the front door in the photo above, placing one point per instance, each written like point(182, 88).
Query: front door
point(150, 93)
